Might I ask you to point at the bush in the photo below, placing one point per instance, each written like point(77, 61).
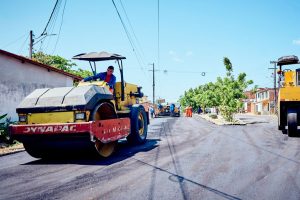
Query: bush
point(4, 129)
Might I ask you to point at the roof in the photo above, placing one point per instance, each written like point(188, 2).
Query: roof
point(24, 59)
point(101, 56)
point(265, 89)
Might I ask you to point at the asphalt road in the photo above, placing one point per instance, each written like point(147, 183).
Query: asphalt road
point(184, 158)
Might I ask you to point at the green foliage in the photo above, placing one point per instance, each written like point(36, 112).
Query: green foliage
point(2, 116)
point(60, 63)
point(4, 129)
point(225, 93)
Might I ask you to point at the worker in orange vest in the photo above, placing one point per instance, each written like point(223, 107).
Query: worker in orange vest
point(190, 111)
point(186, 111)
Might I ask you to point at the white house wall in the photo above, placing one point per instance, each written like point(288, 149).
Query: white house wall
point(20, 79)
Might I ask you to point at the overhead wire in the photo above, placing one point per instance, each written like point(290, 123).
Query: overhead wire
point(51, 29)
point(48, 30)
point(129, 37)
point(61, 23)
point(45, 29)
point(22, 46)
point(158, 33)
point(13, 42)
point(138, 47)
point(135, 37)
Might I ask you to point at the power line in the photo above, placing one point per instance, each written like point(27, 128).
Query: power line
point(137, 47)
point(138, 43)
point(45, 29)
point(62, 19)
point(158, 47)
point(124, 26)
point(14, 41)
point(48, 30)
point(186, 72)
point(128, 35)
point(51, 28)
point(21, 48)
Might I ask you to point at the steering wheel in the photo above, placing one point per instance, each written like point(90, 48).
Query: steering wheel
point(286, 70)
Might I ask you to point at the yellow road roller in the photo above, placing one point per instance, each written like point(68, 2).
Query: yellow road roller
point(289, 96)
point(88, 118)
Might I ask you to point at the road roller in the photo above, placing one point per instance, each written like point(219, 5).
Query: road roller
point(85, 119)
point(289, 96)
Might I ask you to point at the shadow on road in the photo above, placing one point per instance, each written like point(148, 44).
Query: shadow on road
point(124, 151)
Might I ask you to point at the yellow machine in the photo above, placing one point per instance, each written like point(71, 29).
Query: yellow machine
point(172, 109)
point(163, 110)
point(86, 117)
point(176, 111)
point(289, 96)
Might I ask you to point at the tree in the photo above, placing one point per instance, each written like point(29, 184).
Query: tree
point(226, 93)
point(60, 63)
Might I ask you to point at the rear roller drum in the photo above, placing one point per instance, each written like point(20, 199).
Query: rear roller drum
point(292, 122)
point(34, 150)
point(139, 125)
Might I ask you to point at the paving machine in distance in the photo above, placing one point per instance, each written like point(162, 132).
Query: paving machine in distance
point(86, 118)
point(164, 109)
point(176, 110)
point(289, 96)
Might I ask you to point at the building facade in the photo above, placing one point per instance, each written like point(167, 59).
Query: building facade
point(265, 101)
point(20, 76)
point(249, 102)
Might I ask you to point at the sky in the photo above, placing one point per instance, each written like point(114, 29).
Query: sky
point(194, 37)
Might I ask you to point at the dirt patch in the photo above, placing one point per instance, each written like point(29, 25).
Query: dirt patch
point(8, 149)
point(220, 120)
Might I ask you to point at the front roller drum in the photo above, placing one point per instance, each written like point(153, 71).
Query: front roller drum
point(104, 111)
point(105, 150)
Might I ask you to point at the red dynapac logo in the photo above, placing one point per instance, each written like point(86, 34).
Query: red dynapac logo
point(50, 129)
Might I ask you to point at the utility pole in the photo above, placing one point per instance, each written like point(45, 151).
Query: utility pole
point(275, 89)
point(153, 84)
point(31, 44)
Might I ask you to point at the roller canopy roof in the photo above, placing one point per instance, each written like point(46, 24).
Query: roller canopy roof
point(288, 60)
point(98, 56)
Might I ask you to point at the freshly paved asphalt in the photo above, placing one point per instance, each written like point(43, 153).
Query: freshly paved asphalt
point(184, 158)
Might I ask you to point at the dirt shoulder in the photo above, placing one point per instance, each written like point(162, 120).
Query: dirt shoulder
point(219, 120)
point(8, 149)
point(239, 119)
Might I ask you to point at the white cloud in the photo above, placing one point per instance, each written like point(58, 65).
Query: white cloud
point(178, 60)
point(296, 42)
point(171, 52)
point(189, 53)
point(175, 57)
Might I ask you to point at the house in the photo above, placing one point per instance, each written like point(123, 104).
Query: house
point(249, 102)
point(265, 101)
point(20, 76)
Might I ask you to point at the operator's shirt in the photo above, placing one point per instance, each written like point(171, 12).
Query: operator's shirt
point(110, 80)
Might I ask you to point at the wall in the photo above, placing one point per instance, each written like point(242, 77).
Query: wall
point(20, 79)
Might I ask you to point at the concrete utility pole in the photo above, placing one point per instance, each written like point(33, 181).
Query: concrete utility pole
point(275, 91)
point(31, 44)
point(153, 83)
